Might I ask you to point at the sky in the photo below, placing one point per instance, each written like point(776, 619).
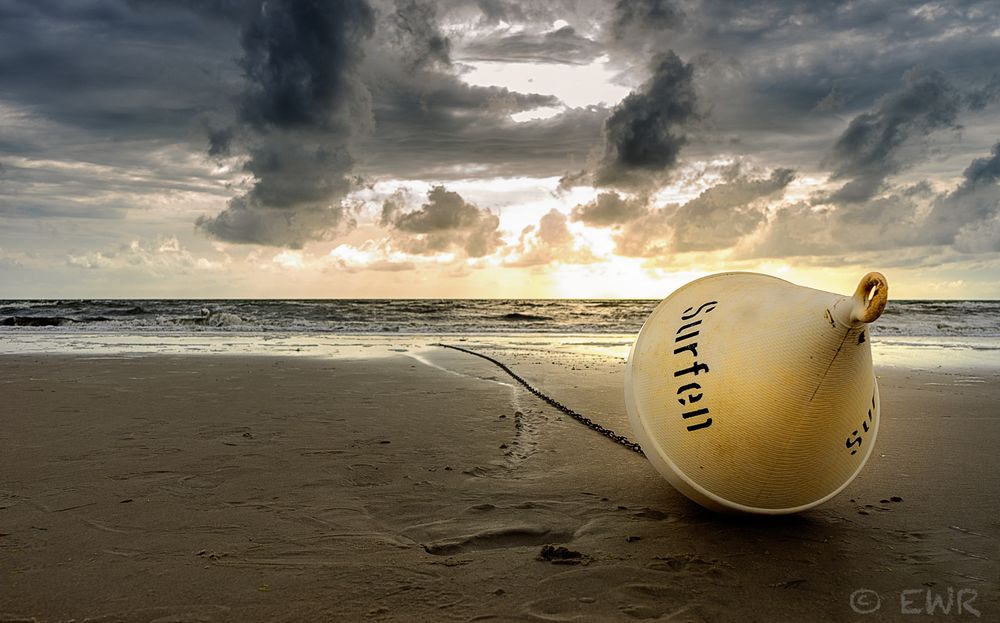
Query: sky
point(495, 148)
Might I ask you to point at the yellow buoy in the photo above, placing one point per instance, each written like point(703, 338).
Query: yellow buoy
point(749, 393)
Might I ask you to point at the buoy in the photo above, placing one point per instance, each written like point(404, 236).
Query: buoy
point(752, 394)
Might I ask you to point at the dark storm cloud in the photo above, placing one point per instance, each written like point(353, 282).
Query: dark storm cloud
point(147, 86)
point(483, 145)
point(967, 216)
point(446, 222)
point(982, 172)
point(437, 97)
point(647, 130)
point(444, 210)
point(630, 16)
point(220, 141)
point(103, 101)
point(981, 97)
point(765, 67)
point(870, 148)
point(420, 37)
point(225, 10)
point(290, 173)
point(249, 223)
point(429, 123)
point(302, 103)
point(300, 61)
point(102, 67)
point(562, 46)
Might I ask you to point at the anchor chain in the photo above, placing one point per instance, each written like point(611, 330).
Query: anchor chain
point(607, 432)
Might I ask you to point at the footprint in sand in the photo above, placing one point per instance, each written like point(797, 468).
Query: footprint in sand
point(489, 526)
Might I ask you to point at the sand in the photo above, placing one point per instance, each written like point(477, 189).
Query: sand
point(422, 486)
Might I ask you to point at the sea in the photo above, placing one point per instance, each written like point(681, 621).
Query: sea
point(948, 330)
point(442, 316)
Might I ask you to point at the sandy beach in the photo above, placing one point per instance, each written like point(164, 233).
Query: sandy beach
point(423, 486)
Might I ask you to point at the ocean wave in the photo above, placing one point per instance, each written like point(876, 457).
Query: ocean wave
point(521, 316)
point(35, 321)
point(943, 319)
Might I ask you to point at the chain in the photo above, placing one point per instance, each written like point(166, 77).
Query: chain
point(607, 432)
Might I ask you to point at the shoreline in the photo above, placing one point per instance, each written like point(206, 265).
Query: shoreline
point(971, 355)
point(423, 485)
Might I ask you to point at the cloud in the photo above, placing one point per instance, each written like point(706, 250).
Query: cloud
point(165, 257)
point(300, 60)
point(369, 256)
point(718, 218)
point(647, 236)
point(133, 74)
point(301, 105)
point(722, 215)
point(982, 172)
point(171, 97)
point(445, 223)
point(553, 229)
point(551, 241)
point(524, 13)
point(611, 208)
point(967, 216)
point(631, 17)
point(647, 130)
point(886, 225)
point(244, 223)
point(981, 97)
point(420, 39)
point(429, 123)
point(422, 132)
point(870, 148)
point(220, 141)
point(224, 10)
point(963, 220)
point(53, 189)
point(764, 67)
point(392, 207)
point(499, 10)
point(562, 46)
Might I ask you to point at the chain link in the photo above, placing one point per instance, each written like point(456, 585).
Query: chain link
point(607, 432)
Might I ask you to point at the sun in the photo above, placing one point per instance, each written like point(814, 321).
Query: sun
point(617, 277)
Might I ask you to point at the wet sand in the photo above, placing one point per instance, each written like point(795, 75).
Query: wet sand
point(424, 486)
